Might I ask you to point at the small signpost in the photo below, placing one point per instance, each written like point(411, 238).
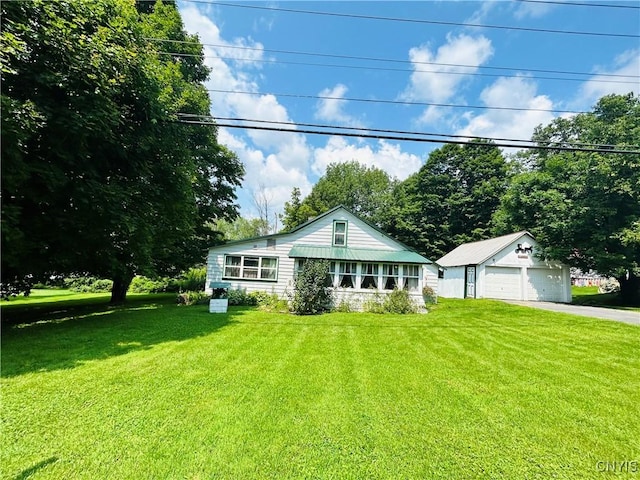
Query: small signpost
point(219, 297)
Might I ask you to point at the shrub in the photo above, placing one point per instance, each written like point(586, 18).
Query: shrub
point(310, 294)
point(241, 297)
point(398, 301)
point(429, 295)
point(88, 284)
point(193, 298)
point(192, 280)
point(269, 302)
point(374, 304)
point(344, 306)
point(141, 284)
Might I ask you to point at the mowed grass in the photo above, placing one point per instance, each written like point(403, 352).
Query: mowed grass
point(474, 389)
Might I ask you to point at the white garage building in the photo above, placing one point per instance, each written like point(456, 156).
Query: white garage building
point(505, 268)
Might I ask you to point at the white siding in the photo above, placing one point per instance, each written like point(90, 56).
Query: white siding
point(452, 285)
point(359, 235)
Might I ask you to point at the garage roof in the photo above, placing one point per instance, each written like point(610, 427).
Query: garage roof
point(475, 253)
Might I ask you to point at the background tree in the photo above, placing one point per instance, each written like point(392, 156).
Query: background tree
point(582, 207)
point(363, 190)
point(450, 200)
point(97, 176)
point(240, 228)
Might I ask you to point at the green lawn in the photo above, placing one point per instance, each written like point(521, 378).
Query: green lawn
point(475, 389)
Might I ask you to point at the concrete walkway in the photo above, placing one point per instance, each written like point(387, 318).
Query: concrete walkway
point(625, 316)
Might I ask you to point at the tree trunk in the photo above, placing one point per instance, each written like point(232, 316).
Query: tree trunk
point(630, 289)
point(119, 289)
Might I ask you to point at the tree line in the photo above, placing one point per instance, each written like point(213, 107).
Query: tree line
point(582, 207)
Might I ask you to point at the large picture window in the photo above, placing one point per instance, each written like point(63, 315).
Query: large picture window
point(389, 276)
point(411, 277)
point(250, 267)
point(369, 275)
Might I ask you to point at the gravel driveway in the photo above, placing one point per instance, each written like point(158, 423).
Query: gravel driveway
point(625, 316)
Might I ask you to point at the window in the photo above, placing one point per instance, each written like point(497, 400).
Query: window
point(369, 275)
point(271, 243)
point(331, 275)
point(250, 267)
point(347, 275)
point(411, 276)
point(389, 276)
point(339, 234)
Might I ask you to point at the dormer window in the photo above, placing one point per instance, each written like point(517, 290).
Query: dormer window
point(339, 233)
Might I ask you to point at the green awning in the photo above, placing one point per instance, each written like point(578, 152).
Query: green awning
point(356, 254)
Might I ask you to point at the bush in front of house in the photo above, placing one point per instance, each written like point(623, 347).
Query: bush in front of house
point(269, 302)
point(239, 296)
point(428, 295)
point(398, 301)
point(311, 294)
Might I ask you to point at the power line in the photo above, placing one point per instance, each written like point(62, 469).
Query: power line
point(189, 116)
point(392, 60)
point(577, 4)
point(396, 102)
point(407, 139)
point(419, 21)
point(389, 69)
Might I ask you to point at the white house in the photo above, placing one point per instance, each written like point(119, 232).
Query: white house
point(504, 268)
point(363, 260)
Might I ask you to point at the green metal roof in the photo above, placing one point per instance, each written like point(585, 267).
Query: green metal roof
point(356, 254)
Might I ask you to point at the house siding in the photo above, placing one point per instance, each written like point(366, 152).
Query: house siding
point(320, 233)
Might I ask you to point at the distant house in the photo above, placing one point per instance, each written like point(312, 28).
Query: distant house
point(363, 260)
point(504, 268)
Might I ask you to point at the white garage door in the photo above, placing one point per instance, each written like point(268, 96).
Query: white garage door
point(544, 284)
point(503, 283)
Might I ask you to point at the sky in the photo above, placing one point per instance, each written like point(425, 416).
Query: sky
point(436, 67)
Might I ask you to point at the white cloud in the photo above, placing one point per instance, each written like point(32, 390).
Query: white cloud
point(386, 156)
point(518, 92)
point(531, 10)
point(332, 109)
point(627, 63)
point(439, 83)
point(276, 161)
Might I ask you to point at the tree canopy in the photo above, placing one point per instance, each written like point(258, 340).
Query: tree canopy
point(98, 176)
point(364, 190)
point(584, 207)
point(450, 200)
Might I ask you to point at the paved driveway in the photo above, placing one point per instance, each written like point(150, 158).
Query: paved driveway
point(625, 316)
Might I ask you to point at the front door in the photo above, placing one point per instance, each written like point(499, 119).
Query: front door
point(470, 285)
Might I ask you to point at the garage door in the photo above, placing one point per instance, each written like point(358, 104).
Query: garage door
point(503, 283)
point(544, 284)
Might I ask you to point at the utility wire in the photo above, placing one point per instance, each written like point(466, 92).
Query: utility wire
point(577, 4)
point(396, 102)
point(189, 116)
point(389, 69)
point(419, 21)
point(391, 60)
point(408, 139)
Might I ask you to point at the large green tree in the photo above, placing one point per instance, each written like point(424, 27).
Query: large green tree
point(97, 176)
point(450, 200)
point(584, 207)
point(364, 190)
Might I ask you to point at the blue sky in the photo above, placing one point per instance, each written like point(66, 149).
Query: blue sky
point(245, 47)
